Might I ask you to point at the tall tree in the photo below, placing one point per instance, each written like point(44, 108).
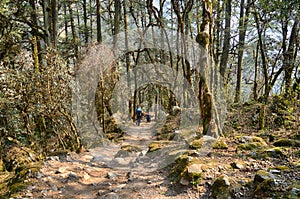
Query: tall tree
point(35, 35)
point(54, 15)
point(226, 40)
point(73, 28)
point(207, 107)
point(99, 31)
point(243, 21)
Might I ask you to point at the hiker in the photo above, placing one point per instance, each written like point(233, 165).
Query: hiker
point(139, 115)
point(148, 117)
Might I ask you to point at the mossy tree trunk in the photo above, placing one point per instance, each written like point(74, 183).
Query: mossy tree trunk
point(208, 108)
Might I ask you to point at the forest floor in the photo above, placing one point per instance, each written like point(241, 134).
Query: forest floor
point(127, 170)
point(117, 171)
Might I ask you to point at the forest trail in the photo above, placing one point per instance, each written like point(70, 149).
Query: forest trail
point(118, 171)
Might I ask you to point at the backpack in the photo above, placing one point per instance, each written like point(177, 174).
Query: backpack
point(139, 112)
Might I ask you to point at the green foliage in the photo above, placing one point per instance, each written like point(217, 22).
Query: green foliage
point(37, 106)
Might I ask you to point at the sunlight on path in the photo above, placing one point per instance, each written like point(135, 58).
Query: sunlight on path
point(137, 138)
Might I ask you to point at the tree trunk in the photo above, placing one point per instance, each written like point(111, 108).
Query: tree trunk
point(85, 18)
point(290, 58)
point(99, 31)
point(226, 41)
point(208, 109)
point(35, 38)
point(242, 36)
point(47, 23)
point(117, 19)
point(263, 57)
point(54, 14)
point(74, 34)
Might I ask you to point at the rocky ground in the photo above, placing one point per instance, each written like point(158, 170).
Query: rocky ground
point(120, 170)
point(139, 166)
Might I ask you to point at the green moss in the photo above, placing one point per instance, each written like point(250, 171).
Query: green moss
point(205, 140)
point(179, 168)
point(156, 145)
point(194, 172)
point(220, 144)
point(196, 144)
point(263, 183)
point(276, 152)
point(264, 189)
point(221, 188)
point(281, 168)
point(131, 148)
point(249, 146)
point(287, 143)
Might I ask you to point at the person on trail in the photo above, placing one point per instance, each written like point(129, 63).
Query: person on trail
point(139, 115)
point(148, 117)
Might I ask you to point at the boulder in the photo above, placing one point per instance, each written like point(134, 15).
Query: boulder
point(221, 188)
point(275, 152)
point(238, 165)
point(264, 183)
point(203, 142)
point(287, 143)
point(249, 143)
point(251, 139)
point(220, 144)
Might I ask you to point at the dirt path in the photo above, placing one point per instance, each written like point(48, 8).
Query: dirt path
point(117, 171)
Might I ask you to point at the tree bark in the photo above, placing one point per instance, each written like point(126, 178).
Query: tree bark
point(85, 18)
point(226, 41)
point(74, 34)
point(99, 31)
point(35, 38)
point(54, 14)
point(243, 21)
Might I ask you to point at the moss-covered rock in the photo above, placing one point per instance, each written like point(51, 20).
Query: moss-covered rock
point(248, 146)
point(205, 141)
point(196, 144)
point(251, 139)
point(287, 143)
point(250, 143)
point(221, 188)
point(276, 152)
point(195, 172)
point(263, 184)
point(131, 148)
point(179, 168)
point(188, 170)
point(156, 145)
point(264, 189)
point(280, 168)
point(262, 175)
point(220, 144)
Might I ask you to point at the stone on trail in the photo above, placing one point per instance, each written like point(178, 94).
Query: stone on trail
point(112, 176)
point(221, 188)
